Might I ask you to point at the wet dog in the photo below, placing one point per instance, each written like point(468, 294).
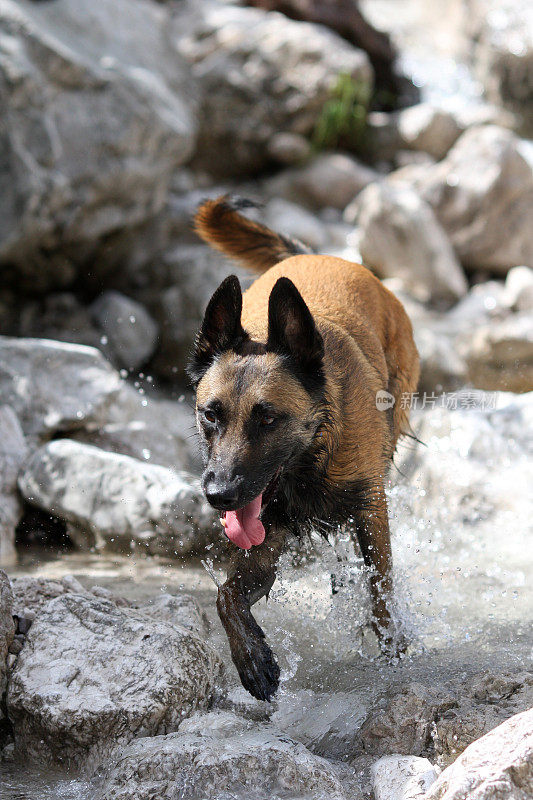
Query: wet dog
point(299, 385)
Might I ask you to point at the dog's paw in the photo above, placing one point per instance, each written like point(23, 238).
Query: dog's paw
point(257, 667)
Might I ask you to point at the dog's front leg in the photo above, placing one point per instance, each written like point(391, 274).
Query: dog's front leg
point(251, 574)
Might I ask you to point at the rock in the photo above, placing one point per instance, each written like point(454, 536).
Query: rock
point(13, 451)
point(31, 595)
point(428, 128)
point(482, 194)
point(442, 368)
point(400, 236)
point(502, 52)
point(498, 766)
point(91, 674)
point(116, 502)
point(329, 180)
point(239, 54)
point(404, 725)
point(500, 356)
point(402, 777)
point(518, 292)
point(147, 427)
point(219, 754)
point(60, 316)
point(53, 386)
point(289, 148)
point(7, 630)
point(181, 609)
point(295, 221)
point(129, 328)
point(98, 116)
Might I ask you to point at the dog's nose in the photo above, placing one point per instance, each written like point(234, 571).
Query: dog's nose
point(221, 495)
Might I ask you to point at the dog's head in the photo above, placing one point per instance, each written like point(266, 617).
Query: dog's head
point(256, 404)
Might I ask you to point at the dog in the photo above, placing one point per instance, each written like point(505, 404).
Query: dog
point(299, 385)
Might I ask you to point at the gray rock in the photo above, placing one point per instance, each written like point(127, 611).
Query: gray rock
point(329, 180)
point(147, 427)
point(498, 766)
point(13, 451)
point(502, 53)
point(180, 609)
point(402, 777)
point(482, 194)
point(31, 595)
point(53, 386)
point(61, 316)
point(90, 674)
point(239, 54)
point(429, 129)
point(130, 331)
point(219, 754)
point(499, 356)
point(518, 292)
point(119, 503)
point(289, 148)
point(7, 630)
point(400, 236)
point(293, 220)
point(99, 112)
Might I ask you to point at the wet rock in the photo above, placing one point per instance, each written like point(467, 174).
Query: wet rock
point(400, 236)
point(442, 368)
point(404, 725)
point(116, 502)
point(402, 777)
point(218, 754)
point(53, 386)
point(130, 331)
point(61, 316)
point(500, 356)
point(483, 703)
point(71, 186)
point(31, 595)
point(429, 129)
point(502, 53)
point(181, 609)
point(13, 452)
point(518, 292)
point(329, 180)
point(498, 766)
point(482, 194)
point(91, 674)
point(7, 631)
point(239, 54)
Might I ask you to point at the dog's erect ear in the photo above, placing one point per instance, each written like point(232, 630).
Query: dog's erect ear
point(292, 332)
point(221, 328)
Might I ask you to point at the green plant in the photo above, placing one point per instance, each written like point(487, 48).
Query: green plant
point(342, 122)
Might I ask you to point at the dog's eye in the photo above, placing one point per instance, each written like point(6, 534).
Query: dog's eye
point(266, 420)
point(210, 415)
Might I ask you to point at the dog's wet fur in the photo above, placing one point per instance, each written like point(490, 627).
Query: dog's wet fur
point(286, 378)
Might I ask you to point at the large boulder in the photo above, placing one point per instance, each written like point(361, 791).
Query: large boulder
point(128, 328)
point(502, 53)
point(239, 54)
point(117, 502)
point(98, 113)
point(400, 237)
point(91, 673)
point(498, 766)
point(482, 195)
point(219, 754)
point(13, 451)
point(53, 386)
point(428, 128)
point(500, 356)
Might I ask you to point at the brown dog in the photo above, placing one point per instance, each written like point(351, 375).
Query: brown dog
point(288, 379)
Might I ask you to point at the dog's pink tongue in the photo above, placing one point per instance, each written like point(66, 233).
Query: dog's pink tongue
point(244, 527)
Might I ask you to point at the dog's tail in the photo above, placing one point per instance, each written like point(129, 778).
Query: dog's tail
point(219, 223)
